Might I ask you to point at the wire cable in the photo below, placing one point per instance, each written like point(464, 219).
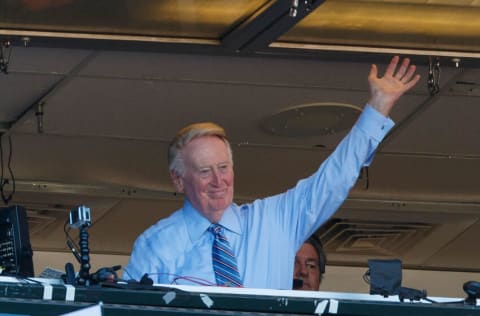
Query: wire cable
point(4, 181)
point(70, 242)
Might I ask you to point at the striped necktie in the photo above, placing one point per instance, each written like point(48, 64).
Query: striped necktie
point(223, 259)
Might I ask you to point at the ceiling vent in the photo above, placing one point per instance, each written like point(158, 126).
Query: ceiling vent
point(314, 119)
point(372, 238)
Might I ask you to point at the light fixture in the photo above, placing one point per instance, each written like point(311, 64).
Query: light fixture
point(313, 119)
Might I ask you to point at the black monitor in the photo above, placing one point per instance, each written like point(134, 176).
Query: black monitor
point(15, 249)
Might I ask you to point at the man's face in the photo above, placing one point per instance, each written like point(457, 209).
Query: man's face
point(208, 178)
point(306, 268)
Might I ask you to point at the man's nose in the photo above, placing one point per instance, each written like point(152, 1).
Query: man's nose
point(302, 270)
point(216, 177)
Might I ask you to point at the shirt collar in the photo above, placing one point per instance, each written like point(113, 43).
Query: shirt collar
point(230, 220)
point(197, 224)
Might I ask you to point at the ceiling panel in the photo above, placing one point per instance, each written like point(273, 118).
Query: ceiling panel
point(446, 134)
point(53, 61)
point(422, 178)
point(16, 98)
point(94, 161)
point(229, 70)
point(428, 25)
point(187, 18)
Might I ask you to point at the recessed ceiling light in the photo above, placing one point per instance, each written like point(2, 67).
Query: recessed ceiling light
point(314, 119)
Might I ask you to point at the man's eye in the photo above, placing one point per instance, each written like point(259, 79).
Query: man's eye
point(204, 172)
point(311, 266)
point(223, 167)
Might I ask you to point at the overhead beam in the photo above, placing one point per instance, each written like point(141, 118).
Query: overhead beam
point(100, 190)
point(268, 24)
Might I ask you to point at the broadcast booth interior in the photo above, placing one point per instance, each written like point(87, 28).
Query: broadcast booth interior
point(92, 92)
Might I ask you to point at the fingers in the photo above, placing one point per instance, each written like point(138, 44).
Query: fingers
point(405, 73)
point(392, 66)
point(403, 69)
point(412, 82)
point(409, 74)
point(373, 72)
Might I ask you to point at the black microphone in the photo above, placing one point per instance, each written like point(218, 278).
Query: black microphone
point(69, 274)
point(146, 280)
point(411, 294)
point(297, 283)
point(472, 288)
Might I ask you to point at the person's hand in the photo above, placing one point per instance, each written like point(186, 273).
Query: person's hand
point(385, 91)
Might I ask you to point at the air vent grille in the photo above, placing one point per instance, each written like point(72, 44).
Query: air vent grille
point(372, 238)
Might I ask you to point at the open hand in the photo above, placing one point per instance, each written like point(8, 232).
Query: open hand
point(386, 90)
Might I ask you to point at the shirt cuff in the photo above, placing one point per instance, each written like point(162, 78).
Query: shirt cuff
point(374, 123)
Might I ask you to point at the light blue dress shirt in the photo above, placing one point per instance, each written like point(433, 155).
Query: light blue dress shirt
point(265, 234)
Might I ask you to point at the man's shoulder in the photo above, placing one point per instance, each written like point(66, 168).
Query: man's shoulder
point(172, 225)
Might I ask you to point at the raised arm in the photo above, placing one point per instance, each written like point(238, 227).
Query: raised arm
point(386, 90)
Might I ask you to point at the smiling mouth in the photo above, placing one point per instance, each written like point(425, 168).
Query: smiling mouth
point(218, 194)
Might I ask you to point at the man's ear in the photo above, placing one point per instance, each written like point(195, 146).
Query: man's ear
point(177, 181)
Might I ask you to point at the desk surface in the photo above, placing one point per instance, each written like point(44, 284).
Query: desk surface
point(51, 297)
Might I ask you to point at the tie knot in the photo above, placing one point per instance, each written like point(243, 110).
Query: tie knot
point(216, 229)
